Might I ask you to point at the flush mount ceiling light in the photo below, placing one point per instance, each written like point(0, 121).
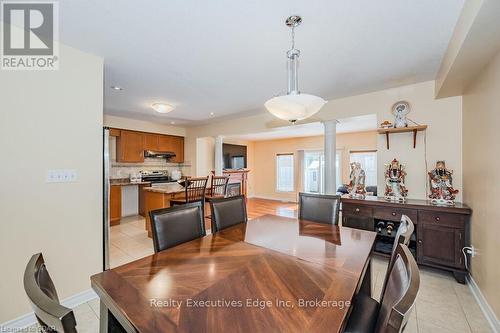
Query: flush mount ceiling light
point(294, 105)
point(162, 107)
point(117, 88)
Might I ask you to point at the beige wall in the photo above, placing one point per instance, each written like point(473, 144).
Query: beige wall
point(443, 137)
point(51, 120)
point(482, 178)
point(264, 155)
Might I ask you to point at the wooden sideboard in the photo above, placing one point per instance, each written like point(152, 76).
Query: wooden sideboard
point(441, 232)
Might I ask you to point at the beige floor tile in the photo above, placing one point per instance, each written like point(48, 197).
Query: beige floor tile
point(448, 316)
point(94, 305)
point(473, 313)
point(86, 319)
point(426, 327)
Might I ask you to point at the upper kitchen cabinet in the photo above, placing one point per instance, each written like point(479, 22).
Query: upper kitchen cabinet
point(178, 149)
point(151, 141)
point(130, 147)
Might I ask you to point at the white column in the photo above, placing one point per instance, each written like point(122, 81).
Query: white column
point(218, 159)
point(330, 152)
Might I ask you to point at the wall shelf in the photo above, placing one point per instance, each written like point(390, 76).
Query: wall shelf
point(414, 129)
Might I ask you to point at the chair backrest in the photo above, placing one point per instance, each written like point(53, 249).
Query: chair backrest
point(195, 189)
point(320, 208)
point(403, 236)
point(51, 315)
point(219, 186)
point(400, 292)
point(176, 225)
point(227, 212)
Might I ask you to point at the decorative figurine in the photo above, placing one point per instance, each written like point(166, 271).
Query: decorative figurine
point(395, 188)
point(441, 184)
point(400, 110)
point(386, 124)
point(356, 185)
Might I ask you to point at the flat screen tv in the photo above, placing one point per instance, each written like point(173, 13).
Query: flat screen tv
point(235, 156)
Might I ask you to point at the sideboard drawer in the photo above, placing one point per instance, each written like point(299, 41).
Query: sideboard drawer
point(394, 214)
point(357, 210)
point(444, 219)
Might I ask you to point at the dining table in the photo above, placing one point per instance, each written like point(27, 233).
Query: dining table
point(271, 274)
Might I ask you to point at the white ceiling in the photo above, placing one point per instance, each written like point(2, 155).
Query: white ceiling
point(345, 125)
point(228, 56)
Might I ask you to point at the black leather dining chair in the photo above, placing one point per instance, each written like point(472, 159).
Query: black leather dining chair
point(392, 313)
point(320, 208)
point(403, 236)
point(42, 294)
point(176, 225)
point(227, 212)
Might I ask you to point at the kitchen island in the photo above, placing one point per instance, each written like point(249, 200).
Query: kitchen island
point(159, 197)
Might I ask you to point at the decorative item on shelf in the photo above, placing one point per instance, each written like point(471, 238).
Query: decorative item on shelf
point(380, 226)
point(390, 228)
point(441, 184)
point(400, 110)
point(395, 188)
point(294, 105)
point(386, 124)
point(356, 185)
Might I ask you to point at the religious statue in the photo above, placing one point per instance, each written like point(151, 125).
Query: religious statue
point(356, 185)
point(395, 188)
point(441, 185)
point(400, 110)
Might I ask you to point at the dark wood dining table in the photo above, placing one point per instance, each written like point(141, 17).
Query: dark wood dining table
point(272, 274)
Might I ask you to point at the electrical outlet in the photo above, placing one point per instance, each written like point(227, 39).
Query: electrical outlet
point(61, 176)
point(472, 251)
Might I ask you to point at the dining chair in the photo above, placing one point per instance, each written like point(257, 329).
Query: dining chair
point(176, 225)
point(403, 236)
point(320, 208)
point(218, 187)
point(194, 190)
point(227, 212)
point(392, 313)
point(42, 294)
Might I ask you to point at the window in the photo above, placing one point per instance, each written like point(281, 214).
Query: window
point(368, 161)
point(314, 169)
point(284, 173)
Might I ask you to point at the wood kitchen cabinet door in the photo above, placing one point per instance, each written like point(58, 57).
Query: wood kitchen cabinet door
point(151, 141)
point(178, 149)
point(130, 147)
point(115, 204)
point(165, 143)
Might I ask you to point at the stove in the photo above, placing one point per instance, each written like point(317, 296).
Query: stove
point(156, 177)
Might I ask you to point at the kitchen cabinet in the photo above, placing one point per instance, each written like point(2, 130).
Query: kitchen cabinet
point(178, 149)
point(151, 141)
point(440, 232)
point(130, 147)
point(115, 204)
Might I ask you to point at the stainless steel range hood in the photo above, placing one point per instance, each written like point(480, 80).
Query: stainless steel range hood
point(159, 154)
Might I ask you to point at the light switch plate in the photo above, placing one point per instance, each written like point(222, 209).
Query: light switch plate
point(61, 176)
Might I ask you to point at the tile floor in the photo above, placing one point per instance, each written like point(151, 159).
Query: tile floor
point(443, 305)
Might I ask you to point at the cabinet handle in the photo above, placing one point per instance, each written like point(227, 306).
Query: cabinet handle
point(419, 241)
point(357, 209)
point(393, 213)
point(437, 218)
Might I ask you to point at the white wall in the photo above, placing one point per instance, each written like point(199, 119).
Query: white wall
point(141, 125)
point(50, 120)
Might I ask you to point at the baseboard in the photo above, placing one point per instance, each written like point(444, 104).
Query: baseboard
point(483, 304)
point(29, 319)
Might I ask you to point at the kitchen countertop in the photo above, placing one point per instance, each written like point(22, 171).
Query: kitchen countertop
point(166, 189)
point(126, 182)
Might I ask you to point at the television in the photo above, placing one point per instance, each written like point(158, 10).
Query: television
point(235, 156)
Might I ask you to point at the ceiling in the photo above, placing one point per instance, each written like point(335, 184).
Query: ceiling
point(344, 125)
point(227, 57)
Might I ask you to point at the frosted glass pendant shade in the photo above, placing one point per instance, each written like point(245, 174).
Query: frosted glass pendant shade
point(294, 107)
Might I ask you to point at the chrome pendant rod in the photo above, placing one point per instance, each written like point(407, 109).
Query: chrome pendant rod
point(293, 74)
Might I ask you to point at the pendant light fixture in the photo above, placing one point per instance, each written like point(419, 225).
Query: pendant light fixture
point(294, 105)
